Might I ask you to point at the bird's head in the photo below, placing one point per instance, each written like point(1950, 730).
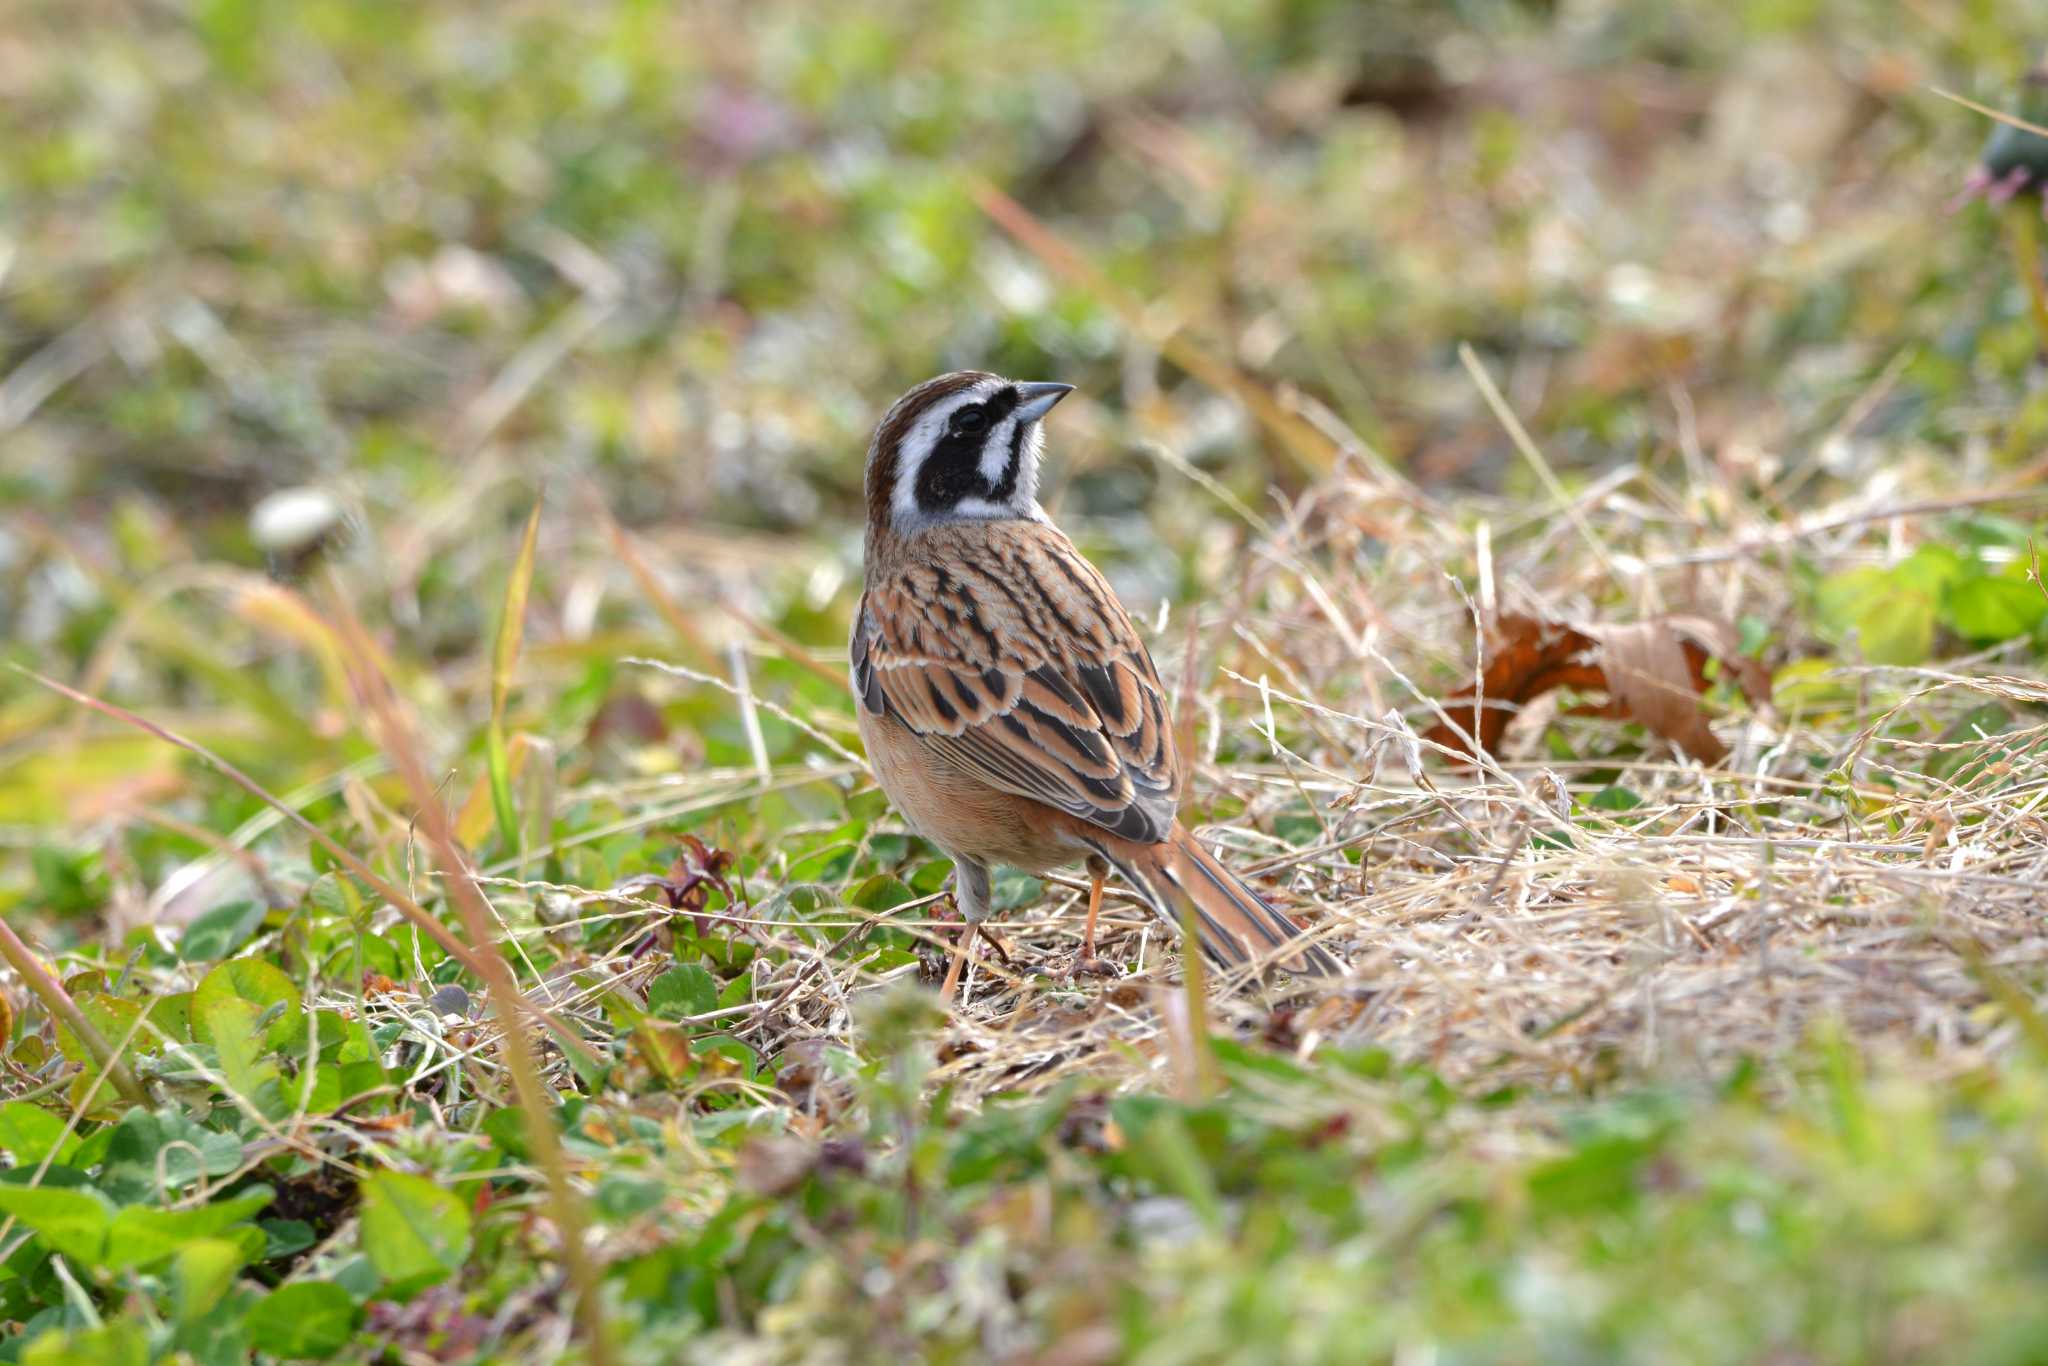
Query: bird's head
point(960, 447)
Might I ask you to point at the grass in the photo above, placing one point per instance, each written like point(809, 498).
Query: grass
point(463, 928)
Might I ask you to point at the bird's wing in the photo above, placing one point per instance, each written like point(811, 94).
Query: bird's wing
point(1006, 652)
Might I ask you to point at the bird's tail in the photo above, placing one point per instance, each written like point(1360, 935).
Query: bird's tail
point(1233, 923)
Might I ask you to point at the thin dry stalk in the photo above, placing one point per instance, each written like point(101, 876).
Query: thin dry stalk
point(536, 1101)
point(58, 1002)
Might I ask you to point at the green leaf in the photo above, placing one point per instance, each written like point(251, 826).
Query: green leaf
point(504, 658)
point(206, 1267)
point(113, 1017)
point(881, 892)
point(172, 1014)
point(621, 1197)
point(215, 934)
point(1811, 684)
point(1176, 1162)
point(1932, 568)
point(143, 1234)
point(1014, 890)
point(230, 1024)
point(507, 1131)
point(149, 1155)
point(415, 1232)
point(119, 1343)
point(1986, 610)
point(357, 1045)
point(31, 1134)
point(334, 898)
point(736, 1056)
point(1601, 1174)
point(686, 990)
point(303, 1319)
point(262, 985)
point(283, 1237)
point(1891, 618)
point(73, 1221)
point(359, 1078)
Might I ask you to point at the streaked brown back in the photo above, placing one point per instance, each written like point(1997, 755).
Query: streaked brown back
point(1007, 653)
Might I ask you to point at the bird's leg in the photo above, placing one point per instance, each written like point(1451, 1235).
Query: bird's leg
point(2008, 185)
point(954, 958)
point(952, 981)
point(971, 893)
point(1098, 869)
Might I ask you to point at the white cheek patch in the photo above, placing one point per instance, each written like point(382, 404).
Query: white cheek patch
point(1027, 466)
point(995, 452)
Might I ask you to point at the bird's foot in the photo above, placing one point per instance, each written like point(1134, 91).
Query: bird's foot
point(1088, 963)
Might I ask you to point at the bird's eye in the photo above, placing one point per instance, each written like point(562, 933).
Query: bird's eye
point(969, 420)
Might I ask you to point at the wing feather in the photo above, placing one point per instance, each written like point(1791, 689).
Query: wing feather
point(1007, 653)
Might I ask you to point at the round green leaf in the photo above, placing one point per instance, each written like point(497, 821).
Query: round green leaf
point(682, 991)
point(1892, 619)
point(414, 1231)
point(142, 1234)
point(206, 1267)
point(303, 1319)
point(1932, 568)
point(32, 1134)
point(215, 934)
point(113, 1017)
point(881, 892)
point(73, 1222)
point(1987, 610)
point(261, 985)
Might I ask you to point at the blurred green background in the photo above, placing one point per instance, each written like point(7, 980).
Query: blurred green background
point(675, 258)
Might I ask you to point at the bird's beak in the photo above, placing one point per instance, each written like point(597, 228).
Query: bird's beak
point(1036, 400)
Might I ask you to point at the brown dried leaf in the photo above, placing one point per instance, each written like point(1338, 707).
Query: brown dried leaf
point(1653, 671)
point(775, 1164)
point(630, 717)
point(686, 886)
point(1525, 658)
point(664, 1047)
point(1648, 678)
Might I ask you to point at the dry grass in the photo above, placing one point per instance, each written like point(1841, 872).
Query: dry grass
point(1866, 857)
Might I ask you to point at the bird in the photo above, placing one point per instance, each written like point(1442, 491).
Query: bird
point(1010, 710)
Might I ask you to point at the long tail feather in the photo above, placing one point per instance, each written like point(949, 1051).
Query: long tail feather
point(1234, 924)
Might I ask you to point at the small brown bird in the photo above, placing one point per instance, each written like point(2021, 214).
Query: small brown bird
point(1007, 704)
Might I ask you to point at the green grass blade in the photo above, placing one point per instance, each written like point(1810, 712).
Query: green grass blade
point(504, 658)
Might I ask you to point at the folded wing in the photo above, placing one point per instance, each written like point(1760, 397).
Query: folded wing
point(1010, 656)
